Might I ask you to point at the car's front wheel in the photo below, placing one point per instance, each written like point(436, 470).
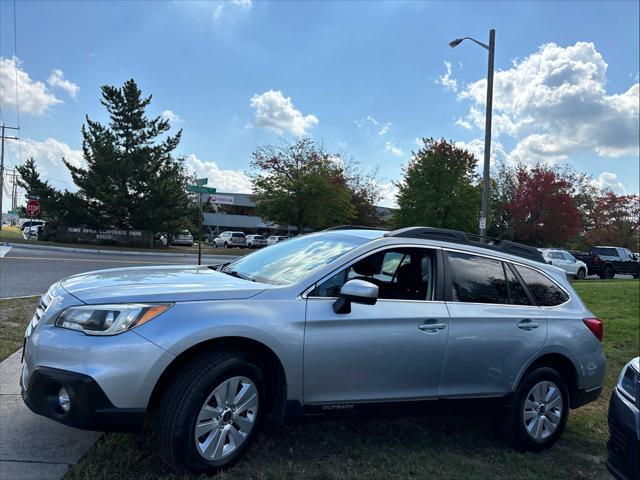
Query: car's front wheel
point(582, 274)
point(210, 415)
point(539, 411)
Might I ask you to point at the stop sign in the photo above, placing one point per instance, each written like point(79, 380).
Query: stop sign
point(33, 208)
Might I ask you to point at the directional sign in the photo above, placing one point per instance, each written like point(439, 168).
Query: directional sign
point(200, 189)
point(12, 212)
point(201, 181)
point(33, 208)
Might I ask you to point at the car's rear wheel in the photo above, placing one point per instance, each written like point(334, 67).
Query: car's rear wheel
point(581, 275)
point(226, 245)
point(539, 411)
point(608, 273)
point(210, 415)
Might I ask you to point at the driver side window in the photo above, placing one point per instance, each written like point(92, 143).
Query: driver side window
point(400, 274)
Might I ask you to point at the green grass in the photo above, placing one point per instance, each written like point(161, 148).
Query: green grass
point(10, 234)
point(412, 448)
point(15, 314)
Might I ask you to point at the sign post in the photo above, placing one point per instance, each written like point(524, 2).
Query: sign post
point(199, 188)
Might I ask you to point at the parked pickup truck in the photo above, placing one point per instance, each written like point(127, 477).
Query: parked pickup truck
point(609, 261)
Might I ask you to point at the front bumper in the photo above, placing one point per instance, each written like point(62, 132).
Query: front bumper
point(624, 438)
point(90, 406)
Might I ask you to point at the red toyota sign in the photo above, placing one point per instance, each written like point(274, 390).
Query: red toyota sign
point(33, 208)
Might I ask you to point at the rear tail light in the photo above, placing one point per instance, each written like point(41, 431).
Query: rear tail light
point(596, 327)
point(596, 260)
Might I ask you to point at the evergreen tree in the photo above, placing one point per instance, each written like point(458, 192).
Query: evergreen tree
point(131, 179)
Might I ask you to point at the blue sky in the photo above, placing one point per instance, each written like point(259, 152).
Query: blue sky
point(365, 78)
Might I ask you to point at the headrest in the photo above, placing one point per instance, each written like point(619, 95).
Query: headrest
point(368, 267)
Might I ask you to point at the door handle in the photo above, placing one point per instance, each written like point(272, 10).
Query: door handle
point(527, 325)
point(430, 326)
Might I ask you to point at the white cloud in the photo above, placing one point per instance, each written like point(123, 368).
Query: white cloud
point(243, 3)
point(476, 148)
point(57, 80)
point(276, 112)
point(388, 192)
point(448, 83)
point(609, 181)
point(231, 181)
point(217, 12)
point(554, 104)
point(464, 124)
point(385, 129)
point(48, 156)
point(390, 147)
point(34, 97)
point(172, 117)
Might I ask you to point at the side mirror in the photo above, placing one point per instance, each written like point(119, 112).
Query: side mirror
point(355, 291)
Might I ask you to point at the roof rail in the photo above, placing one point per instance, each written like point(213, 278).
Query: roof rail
point(352, 227)
point(456, 236)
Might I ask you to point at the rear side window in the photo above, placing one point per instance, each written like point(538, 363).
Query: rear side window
point(477, 279)
point(545, 292)
point(238, 235)
point(607, 252)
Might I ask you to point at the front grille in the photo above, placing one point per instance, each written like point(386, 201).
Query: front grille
point(43, 304)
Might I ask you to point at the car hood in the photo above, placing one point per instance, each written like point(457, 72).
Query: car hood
point(159, 284)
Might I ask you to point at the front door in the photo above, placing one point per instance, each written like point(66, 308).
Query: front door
point(393, 350)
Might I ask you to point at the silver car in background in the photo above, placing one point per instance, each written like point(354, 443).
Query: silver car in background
point(344, 321)
point(273, 239)
point(256, 241)
point(562, 259)
point(230, 239)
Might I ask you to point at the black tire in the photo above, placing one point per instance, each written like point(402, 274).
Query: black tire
point(179, 408)
point(581, 275)
point(226, 245)
point(608, 273)
point(517, 429)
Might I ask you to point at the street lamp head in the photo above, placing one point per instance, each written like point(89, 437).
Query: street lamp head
point(456, 42)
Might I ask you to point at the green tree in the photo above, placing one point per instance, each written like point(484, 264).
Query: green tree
point(300, 184)
point(131, 179)
point(440, 188)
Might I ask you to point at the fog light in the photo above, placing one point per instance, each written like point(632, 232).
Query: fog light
point(63, 400)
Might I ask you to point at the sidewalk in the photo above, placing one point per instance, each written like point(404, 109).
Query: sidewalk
point(33, 447)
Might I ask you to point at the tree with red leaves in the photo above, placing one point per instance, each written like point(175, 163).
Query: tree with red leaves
point(614, 220)
point(543, 209)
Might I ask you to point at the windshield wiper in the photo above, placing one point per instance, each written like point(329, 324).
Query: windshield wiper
point(219, 266)
point(236, 274)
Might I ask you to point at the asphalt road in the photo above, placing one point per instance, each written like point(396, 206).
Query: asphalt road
point(30, 272)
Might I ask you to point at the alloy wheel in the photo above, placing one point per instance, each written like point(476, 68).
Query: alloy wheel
point(543, 410)
point(226, 418)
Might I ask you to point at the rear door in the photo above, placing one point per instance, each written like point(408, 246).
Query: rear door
point(494, 326)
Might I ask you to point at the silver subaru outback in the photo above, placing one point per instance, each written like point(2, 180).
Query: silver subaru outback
point(344, 321)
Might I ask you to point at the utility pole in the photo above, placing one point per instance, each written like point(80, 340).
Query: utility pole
point(2, 139)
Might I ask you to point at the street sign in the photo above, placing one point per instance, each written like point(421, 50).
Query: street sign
point(483, 223)
point(33, 208)
point(33, 197)
point(200, 189)
point(12, 212)
point(201, 181)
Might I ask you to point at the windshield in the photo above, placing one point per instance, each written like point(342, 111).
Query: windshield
point(288, 262)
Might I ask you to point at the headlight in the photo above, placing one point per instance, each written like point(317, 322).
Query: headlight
point(629, 381)
point(108, 319)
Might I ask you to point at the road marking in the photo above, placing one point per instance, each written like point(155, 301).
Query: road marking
point(96, 261)
point(4, 251)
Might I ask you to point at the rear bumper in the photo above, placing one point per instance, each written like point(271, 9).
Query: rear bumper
point(90, 407)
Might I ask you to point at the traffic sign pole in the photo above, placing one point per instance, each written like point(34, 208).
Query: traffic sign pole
point(200, 188)
point(200, 239)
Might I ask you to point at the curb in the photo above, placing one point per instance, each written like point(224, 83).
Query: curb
point(106, 252)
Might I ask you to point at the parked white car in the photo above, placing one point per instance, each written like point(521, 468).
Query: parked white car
point(567, 262)
point(31, 233)
point(231, 239)
point(183, 238)
point(273, 239)
point(256, 241)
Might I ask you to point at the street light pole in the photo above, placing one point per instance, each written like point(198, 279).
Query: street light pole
point(487, 126)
